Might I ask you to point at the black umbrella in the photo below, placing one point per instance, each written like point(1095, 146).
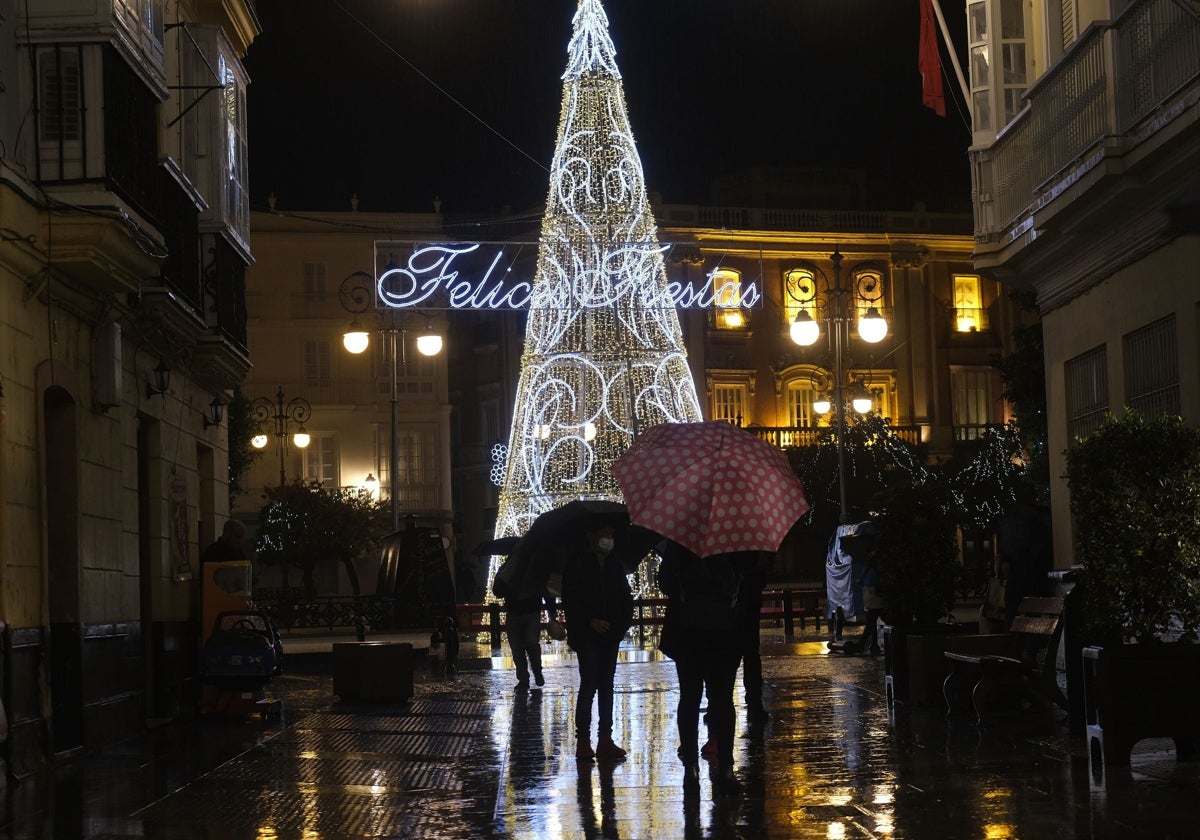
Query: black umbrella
point(557, 532)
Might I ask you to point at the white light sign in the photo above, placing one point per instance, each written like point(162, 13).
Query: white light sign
point(436, 267)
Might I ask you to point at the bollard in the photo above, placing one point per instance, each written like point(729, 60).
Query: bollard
point(789, 626)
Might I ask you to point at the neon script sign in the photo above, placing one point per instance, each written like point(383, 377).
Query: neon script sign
point(436, 268)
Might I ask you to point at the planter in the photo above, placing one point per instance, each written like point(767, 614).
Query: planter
point(1133, 692)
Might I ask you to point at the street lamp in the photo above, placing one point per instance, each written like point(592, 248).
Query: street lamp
point(295, 411)
point(843, 301)
point(359, 296)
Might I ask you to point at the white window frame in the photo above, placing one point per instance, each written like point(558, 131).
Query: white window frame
point(320, 459)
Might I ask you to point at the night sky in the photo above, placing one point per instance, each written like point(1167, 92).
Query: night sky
point(402, 101)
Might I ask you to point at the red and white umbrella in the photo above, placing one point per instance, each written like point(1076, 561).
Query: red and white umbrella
point(711, 487)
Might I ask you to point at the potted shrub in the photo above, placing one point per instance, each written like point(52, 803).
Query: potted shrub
point(1135, 502)
point(915, 554)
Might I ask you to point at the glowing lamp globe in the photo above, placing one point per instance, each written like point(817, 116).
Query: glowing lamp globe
point(258, 441)
point(805, 330)
point(861, 404)
point(429, 344)
point(872, 327)
point(821, 405)
point(301, 438)
point(356, 341)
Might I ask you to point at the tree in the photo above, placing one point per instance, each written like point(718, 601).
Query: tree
point(1023, 373)
point(241, 453)
point(304, 527)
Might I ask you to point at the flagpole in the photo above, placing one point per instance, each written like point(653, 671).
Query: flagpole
point(962, 82)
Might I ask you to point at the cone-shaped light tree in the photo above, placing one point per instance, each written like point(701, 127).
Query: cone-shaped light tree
point(604, 354)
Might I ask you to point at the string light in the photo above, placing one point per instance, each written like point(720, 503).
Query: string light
point(603, 356)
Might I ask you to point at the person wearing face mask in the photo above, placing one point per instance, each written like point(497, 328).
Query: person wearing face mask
point(599, 609)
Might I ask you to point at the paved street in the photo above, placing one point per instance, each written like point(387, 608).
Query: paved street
point(471, 758)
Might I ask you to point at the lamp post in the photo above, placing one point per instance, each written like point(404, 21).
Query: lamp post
point(295, 411)
point(842, 301)
point(359, 296)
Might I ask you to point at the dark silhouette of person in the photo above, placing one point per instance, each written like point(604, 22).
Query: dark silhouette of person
point(524, 630)
point(599, 609)
point(228, 546)
point(703, 632)
point(750, 604)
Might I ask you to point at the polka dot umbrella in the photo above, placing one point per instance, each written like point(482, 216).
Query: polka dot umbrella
point(711, 487)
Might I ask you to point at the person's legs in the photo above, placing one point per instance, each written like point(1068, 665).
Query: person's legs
point(689, 672)
point(532, 642)
point(752, 679)
point(719, 679)
point(589, 673)
point(516, 632)
point(607, 670)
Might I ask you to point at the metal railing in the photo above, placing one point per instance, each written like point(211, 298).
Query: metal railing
point(789, 436)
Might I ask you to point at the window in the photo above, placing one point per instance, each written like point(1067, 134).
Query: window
point(316, 293)
point(316, 363)
point(869, 291)
point(969, 314)
point(971, 391)
point(236, 192)
point(729, 402)
point(800, 396)
point(880, 387)
point(1087, 391)
point(981, 66)
point(1152, 369)
point(727, 297)
point(800, 283)
point(60, 94)
point(418, 483)
point(490, 422)
point(320, 459)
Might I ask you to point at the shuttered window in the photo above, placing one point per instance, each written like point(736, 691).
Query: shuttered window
point(1152, 369)
point(1087, 391)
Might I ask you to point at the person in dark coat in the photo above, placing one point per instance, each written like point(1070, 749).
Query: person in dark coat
point(599, 609)
point(704, 633)
point(524, 628)
point(228, 546)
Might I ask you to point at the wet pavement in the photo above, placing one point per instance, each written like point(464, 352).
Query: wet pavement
point(470, 757)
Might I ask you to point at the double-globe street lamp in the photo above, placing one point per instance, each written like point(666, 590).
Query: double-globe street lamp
point(359, 295)
point(861, 297)
point(295, 411)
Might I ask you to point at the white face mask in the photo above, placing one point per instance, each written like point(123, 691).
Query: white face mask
point(605, 544)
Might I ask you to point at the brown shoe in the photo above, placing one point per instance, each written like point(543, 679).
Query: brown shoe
point(584, 752)
point(606, 750)
point(709, 750)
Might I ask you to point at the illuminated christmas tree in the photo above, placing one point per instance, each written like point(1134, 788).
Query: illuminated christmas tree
point(604, 354)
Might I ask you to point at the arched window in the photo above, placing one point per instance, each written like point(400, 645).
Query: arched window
point(727, 297)
point(800, 395)
point(799, 293)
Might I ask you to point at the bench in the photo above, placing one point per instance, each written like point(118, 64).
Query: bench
point(1027, 666)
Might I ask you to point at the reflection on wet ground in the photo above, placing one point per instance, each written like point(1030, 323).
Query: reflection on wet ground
point(471, 757)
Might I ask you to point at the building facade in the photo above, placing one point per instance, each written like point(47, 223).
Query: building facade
point(313, 277)
point(1086, 166)
point(123, 243)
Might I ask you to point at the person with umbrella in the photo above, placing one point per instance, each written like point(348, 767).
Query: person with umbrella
point(704, 633)
point(599, 609)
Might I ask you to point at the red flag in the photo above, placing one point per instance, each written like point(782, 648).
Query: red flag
point(930, 62)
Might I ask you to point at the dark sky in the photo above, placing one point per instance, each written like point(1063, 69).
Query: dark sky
point(400, 101)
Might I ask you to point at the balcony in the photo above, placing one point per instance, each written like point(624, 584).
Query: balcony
point(1127, 90)
point(786, 437)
